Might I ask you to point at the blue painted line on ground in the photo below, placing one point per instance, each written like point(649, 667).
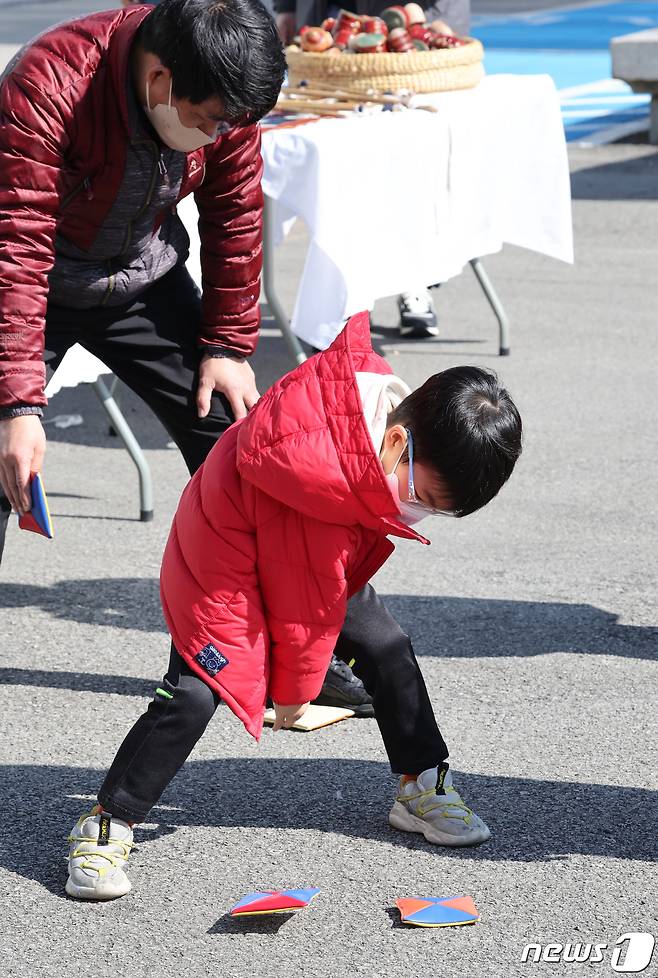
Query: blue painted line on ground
point(572, 46)
point(566, 70)
point(588, 28)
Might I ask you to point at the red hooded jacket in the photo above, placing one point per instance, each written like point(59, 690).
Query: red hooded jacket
point(286, 519)
point(64, 133)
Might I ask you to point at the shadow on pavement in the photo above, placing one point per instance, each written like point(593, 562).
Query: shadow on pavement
point(393, 914)
point(80, 682)
point(631, 179)
point(449, 627)
point(123, 602)
point(445, 627)
point(385, 337)
point(531, 820)
point(267, 924)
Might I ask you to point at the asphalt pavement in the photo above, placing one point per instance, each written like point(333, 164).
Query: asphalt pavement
point(534, 622)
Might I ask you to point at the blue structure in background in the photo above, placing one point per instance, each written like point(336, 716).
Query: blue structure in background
point(572, 45)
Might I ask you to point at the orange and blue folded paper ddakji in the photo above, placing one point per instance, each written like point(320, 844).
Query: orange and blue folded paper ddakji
point(273, 901)
point(38, 518)
point(438, 911)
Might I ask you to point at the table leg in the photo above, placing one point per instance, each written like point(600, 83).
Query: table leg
point(122, 428)
point(496, 305)
point(111, 430)
point(269, 289)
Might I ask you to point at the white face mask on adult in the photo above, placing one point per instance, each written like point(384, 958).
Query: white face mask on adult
point(172, 132)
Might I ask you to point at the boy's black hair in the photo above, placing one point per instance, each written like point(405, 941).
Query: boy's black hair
point(466, 427)
point(226, 49)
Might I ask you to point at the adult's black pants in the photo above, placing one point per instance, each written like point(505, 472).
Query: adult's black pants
point(151, 345)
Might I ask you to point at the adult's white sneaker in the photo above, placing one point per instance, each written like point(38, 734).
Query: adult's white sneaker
point(417, 316)
point(433, 806)
point(96, 865)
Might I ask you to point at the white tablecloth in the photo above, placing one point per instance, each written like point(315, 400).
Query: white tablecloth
point(401, 200)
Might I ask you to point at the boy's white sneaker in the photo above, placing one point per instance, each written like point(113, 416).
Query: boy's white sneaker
point(431, 805)
point(96, 867)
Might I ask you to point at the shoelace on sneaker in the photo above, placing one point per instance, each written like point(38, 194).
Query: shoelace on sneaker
point(112, 858)
point(96, 852)
point(464, 813)
point(342, 669)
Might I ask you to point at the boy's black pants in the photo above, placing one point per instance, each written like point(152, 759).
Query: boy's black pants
point(162, 739)
point(150, 344)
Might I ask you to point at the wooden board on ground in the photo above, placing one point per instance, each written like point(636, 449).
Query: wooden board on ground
point(315, 717)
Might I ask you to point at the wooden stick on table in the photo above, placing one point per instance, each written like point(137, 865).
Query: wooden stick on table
point(342, 93)
point(308, 105)
point(319, 89)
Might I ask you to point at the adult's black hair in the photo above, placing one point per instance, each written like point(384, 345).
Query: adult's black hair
point(466, 427)
point(226, 49)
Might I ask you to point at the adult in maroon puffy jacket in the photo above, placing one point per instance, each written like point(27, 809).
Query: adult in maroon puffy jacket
point(105, 123)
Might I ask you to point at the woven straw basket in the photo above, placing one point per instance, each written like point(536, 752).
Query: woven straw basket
point(418, 71)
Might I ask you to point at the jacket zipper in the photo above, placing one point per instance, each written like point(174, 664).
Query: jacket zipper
point(163, 171)
point(160, 168)
point(111, 278)
point(85, 185)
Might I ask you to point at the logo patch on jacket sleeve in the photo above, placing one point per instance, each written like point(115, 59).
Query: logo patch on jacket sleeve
point(211, 659)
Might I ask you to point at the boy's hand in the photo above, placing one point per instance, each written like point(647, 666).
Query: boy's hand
point(287, 715)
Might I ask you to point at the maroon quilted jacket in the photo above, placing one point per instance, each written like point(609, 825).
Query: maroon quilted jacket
point(65, 139)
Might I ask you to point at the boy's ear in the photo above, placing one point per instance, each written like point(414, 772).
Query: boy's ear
point(393, 445)
point(395, 437)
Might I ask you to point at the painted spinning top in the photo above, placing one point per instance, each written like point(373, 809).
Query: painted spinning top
point(368, 43)
point(394, 17)
point(400, 41)
point(415, 13)
point(315, 39)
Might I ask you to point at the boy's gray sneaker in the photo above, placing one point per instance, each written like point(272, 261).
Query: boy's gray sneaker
point(96, 867)
point(432, 806)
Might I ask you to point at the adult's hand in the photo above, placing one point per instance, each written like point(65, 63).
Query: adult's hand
point(286, 26)
point(285, 716)
point(22, 448)
point(235, 380)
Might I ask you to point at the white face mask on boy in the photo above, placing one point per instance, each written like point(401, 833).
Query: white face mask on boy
point(412, 511)
point(172, 132)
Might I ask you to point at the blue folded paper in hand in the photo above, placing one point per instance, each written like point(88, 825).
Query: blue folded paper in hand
point(38, 518)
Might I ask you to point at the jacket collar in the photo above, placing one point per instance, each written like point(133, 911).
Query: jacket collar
point(306, 442)
point(353, 346)
point(119, 48)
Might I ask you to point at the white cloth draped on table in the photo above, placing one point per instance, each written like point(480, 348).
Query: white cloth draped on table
point(401, 200)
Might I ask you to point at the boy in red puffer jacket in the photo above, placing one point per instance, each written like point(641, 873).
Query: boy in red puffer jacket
point(289, 517)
